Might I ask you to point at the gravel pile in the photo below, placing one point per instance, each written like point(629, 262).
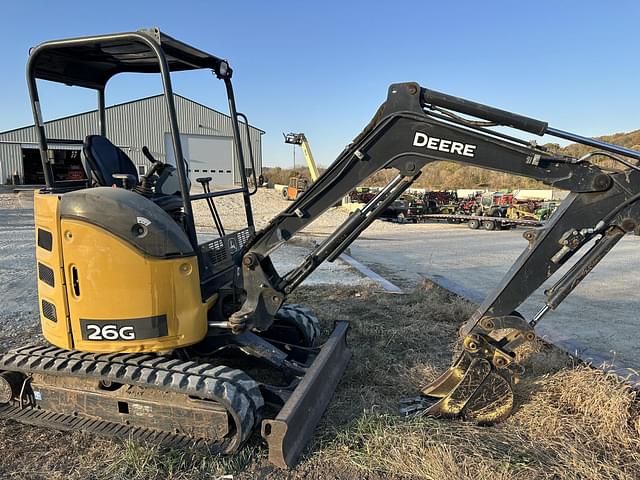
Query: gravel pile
point(9, 200)
point(267, 203)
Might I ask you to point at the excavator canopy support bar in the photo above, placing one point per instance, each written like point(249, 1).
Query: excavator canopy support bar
point(91, 61)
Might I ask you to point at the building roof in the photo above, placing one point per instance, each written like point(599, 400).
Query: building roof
point(262, 132)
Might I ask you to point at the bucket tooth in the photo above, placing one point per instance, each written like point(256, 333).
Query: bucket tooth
point(288, 433)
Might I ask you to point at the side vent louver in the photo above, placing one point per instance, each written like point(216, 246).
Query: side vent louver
point(45, 239)
point(49, 311)
point(46, 274)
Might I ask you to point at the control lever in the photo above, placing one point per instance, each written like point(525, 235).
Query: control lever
point(156, 167)
point(145, 188)
point(204, 181)
point(147, 153)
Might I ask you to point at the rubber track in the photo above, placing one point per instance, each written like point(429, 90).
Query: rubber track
point(231, 388)
point(61, 421)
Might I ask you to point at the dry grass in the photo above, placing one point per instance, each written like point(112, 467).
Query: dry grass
point(571, 422)
point(561, 432)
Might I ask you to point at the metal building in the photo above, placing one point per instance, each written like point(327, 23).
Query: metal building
point(206, 140)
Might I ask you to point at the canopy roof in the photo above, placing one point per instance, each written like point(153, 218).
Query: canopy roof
point(92, 61)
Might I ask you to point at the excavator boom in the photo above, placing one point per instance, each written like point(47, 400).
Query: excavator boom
point(414, 127)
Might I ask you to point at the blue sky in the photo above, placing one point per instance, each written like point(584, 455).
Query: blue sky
point(324, 67)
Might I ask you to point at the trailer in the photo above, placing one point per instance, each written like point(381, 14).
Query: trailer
point(478, 221)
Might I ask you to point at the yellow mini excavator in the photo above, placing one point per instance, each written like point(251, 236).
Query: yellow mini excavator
point(137, 310)
point(155, 335)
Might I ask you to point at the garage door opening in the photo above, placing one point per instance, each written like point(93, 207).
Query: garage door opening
point(66, 165)
point(206, 156)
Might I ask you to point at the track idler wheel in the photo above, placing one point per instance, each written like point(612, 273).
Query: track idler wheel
point(479, 384)
point(10, 386)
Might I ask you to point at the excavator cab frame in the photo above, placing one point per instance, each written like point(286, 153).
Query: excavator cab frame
point(91, 62)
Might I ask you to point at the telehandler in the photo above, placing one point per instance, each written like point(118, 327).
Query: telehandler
point(301, 139)
point(299, 184)
point(143, 320)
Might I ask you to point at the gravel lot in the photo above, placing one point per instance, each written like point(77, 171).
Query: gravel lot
point(18, 314)
point(599, 320)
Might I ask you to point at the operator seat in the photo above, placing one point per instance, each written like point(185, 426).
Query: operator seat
point(107, 160)
point(111, 166)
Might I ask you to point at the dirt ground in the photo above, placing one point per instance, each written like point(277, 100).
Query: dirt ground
point(570, 421)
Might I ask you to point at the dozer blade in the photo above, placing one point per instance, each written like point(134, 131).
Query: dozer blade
point(289, 432)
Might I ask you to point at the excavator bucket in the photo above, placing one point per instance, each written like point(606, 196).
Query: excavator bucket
point(288, 433)
point(479, 384)
point(471, 389)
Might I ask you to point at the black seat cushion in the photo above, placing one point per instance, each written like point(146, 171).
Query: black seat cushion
point(168, 202)
point(105, 160)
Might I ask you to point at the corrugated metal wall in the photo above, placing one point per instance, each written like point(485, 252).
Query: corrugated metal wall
point(131, 126)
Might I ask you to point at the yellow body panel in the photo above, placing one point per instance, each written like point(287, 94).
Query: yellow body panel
point(46, 221)
point(107, 279)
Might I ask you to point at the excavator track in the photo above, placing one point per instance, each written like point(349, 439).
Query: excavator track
point(59, 421)
point(119, 394)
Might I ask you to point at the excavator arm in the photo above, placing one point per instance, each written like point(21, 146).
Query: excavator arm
point(414, 127)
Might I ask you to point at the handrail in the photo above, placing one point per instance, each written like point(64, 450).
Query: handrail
point(202, 196)
point(253, 165)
